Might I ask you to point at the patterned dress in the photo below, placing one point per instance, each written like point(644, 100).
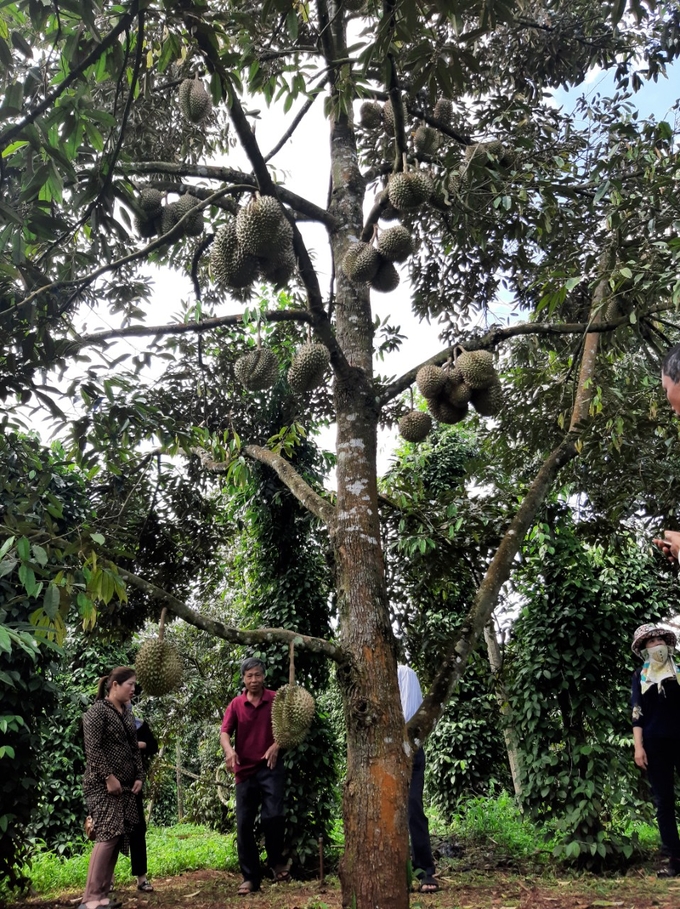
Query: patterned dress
point(111, 747)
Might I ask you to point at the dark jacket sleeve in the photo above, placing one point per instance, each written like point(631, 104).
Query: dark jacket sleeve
point(636, 700)
point(145, 734)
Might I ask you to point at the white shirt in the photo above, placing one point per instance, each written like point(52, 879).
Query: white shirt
point(409, 690)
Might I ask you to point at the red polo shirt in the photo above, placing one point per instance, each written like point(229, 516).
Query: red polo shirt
point(253, 728)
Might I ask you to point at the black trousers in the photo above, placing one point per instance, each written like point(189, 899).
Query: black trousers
point(263, 792)
point(421, 851)
point(663, 761)
point(137, 840)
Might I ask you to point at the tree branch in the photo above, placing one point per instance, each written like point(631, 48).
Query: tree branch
point(229, 175)
point(498, 334)
point(134, 331)
point(235, 635)
point(91, 58)
point(302, 491)
point(498, 572)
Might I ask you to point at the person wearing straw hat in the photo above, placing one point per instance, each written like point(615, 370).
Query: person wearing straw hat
point(656, 728)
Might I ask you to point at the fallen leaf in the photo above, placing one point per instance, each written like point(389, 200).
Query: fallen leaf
point(189, 896)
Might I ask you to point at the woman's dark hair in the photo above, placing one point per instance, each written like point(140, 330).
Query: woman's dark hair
point(120, 674)
point(670, 365)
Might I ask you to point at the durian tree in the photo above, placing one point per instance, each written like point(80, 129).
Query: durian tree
point(116, 119)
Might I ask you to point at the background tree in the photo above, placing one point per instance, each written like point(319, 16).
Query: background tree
point(522, 203)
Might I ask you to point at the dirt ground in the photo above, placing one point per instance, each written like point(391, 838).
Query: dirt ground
point(639, 889)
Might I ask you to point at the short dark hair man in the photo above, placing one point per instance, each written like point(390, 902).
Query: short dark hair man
point(670, 379)
point(259, 776)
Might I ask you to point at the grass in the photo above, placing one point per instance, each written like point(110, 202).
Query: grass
point(171, 850)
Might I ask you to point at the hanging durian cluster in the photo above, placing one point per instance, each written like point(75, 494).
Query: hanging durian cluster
point(367, 264)
point(158, 667)
point(259, 242)
point(259, 369)
point(450, 389)
point(157, 218)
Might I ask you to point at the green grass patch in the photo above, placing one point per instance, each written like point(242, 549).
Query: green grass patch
point(171, 850)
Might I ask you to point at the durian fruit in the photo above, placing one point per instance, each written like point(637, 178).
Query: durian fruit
point(477, 368)
point(426, 140)
point(257, 225)
point(370, 115)
point(361, 262)
point(456, 390)
point(617, 307)
point(408, 191)
point(488, 401)
point(230, 266)
point(388, 212)
point(445, 412)
point(159, 667)
point(195, 102)
point(292, 714)
point(169, 217)
point(396, 243)
point(278, 271)
point(430, 380)
point(308, 367)
point(386, 279)
point(415, 425)
point(193, 226)
point(258, 369)
point(480, 151)
point(443, 111)
point(150, 202)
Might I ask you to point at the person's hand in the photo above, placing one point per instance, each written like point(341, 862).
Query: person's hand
point(271, 755)
point(231, 760)
point(641, 757)
point(141, 745)
point(669, 545)
point(136, 787)
point(113, 785)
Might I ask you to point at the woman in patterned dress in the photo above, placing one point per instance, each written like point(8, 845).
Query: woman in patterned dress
point(113, 777)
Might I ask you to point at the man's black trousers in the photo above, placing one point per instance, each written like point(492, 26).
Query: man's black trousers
point(421, 851)
point(263, 791)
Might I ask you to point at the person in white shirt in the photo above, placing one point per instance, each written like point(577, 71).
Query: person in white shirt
point(421, 850)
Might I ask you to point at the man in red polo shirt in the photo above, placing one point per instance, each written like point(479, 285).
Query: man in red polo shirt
point(259, 776)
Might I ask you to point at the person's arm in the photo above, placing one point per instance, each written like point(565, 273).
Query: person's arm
point(638, 723)
point(271, 755)
point(230, 756)
point(669, 545)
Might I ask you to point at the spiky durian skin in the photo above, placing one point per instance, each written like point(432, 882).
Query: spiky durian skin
point(293, 710)
point(445, 412)
point(443, 111)
point(415, 425)
point(488, 402)
point(361, 262)
point(476, 367)
point(396, 243)
point(430, 380)
point(158, 667)
point(426, 140)
point(169, 217)
point(151, 202)
point(229, 265)
point(257, 370)
point(370, 115)
point(194, 101)
point(408, 191)
point(456, 390)
point(386, 278)
point(193, 226)
point(257, 225)
point(308, 367)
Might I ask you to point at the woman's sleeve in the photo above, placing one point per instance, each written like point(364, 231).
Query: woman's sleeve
point(94, 731)
point(636, 700)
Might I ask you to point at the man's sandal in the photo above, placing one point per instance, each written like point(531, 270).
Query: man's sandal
point(246, 888)
point(282, 876)
point(428, 885)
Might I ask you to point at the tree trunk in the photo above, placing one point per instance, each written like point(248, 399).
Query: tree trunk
point(373, 869)
point(509, 731)
point(179, 781)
